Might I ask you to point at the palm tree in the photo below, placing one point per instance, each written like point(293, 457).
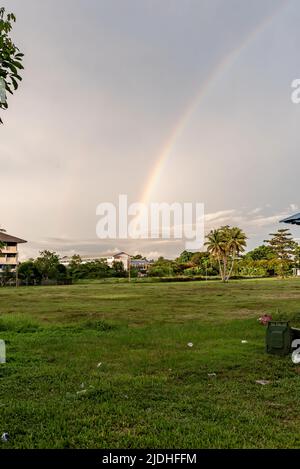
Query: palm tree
point(225, 244)
point(236, 244)
point(215, 246)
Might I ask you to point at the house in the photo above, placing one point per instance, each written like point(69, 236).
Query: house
point(119, 257)
point(110, 259)
point(9, 256)
point(141, 265)
point(65, 260)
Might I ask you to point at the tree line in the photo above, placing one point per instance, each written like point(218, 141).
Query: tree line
point(224, 258)
point(47, 268)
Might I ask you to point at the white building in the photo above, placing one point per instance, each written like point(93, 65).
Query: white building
point(9, 256)
point(110, 259)
point(119, 257)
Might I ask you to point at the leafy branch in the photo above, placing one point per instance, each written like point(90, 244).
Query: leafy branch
point(10, 58)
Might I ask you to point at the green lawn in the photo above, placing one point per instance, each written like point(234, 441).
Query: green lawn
point(151, 389)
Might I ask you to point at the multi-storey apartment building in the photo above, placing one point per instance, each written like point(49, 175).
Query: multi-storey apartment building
point(9, 250)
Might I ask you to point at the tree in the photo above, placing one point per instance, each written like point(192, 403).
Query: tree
point(47, 264)
point(29, 273)
point(118, 269)
point(10, 59)
point(185, 256)
point(283, 246)
point(162, 268)
point(225, 244)
point(200, 258)
point(262, 252)
point(297, 256)
point(75, 261)
point(138, 257)
point(7, 275)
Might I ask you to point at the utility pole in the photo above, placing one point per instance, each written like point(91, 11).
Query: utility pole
point(129, 267)
point(17, 268)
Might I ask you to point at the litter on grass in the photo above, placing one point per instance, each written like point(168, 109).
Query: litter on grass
point(244, 341)
point(190, 344)
point(4, 437)
point(296, 356)
point(263, 382)
point(211, 375)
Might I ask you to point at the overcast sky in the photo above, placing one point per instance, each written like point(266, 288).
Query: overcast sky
point(106, 83)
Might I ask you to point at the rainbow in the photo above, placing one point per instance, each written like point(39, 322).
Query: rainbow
point(214, 75)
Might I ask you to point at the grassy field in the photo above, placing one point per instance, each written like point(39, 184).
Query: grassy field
point(107, 365)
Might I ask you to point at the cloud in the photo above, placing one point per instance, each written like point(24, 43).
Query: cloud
point(220, 215)
point(255, 222)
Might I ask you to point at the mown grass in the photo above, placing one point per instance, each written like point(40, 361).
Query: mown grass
point(107, 365)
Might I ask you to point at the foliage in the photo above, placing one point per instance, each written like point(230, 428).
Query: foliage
point(225, 244)
point(75, 261)
point(185, 256)
point(7, 276)
point(47, 264)
point(10, 56)
point(90, 270)
point(260, 253)
point(138, 257)
point(29, 273)
point(161, 268)
point(283, 246)
point(118, 269)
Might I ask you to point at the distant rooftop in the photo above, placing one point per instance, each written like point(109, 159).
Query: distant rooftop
point(119, 254)
point(6, 238)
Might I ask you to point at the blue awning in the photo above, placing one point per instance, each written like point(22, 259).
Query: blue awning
point(293, 219)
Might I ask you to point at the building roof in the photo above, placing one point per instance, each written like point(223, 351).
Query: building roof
point(293, 219)
point(6, 238)
point(140, 262)
point(120, 254)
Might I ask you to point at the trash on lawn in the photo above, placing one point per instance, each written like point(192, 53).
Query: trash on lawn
point(99, 364)
point(264, 319)
point(263, 382)
point(190, 344)
point(2, 347)
point(5, 437)
point(244, 341)
point(296, 356)
point(211, 375)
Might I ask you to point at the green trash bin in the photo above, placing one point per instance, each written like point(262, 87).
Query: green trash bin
point(279, 338)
